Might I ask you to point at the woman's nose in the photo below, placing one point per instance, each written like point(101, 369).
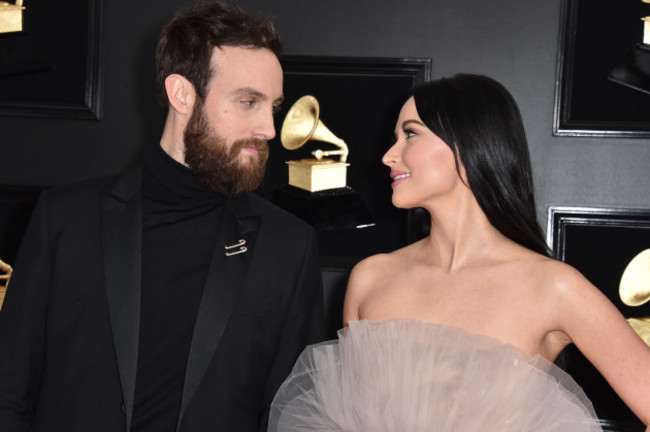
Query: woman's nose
point(390, 157)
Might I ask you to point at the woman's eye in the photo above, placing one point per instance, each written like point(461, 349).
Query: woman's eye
point(409, 133)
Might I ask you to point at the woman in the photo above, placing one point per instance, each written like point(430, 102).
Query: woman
point(458, 331)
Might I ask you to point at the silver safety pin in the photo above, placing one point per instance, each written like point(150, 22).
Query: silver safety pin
point(240, 244)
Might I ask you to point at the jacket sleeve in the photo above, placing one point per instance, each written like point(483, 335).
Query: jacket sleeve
point(305, 323)
point(22, 325)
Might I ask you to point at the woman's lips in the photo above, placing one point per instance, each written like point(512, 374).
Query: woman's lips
point(399, 177)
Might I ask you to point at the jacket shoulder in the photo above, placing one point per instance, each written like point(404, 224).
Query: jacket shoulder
point(85, 194)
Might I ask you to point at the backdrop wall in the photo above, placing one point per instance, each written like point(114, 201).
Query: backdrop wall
point(514, 41)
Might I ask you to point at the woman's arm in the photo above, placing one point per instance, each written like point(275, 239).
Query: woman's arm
point(353, 295)
point(363, 278)
point(606, 339)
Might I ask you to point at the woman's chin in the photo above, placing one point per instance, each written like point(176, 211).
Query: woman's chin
point(401, 204)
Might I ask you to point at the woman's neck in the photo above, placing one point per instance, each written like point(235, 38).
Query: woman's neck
point(461, 233)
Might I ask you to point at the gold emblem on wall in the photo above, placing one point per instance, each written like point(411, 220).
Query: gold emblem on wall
point(302, 124)
point(634, 290)
point(5, 275)
point(11, 17)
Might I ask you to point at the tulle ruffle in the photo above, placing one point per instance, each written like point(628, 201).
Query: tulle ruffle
point(406, 375)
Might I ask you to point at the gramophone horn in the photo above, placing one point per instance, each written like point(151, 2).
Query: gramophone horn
point(302, 124)
point(634, 288)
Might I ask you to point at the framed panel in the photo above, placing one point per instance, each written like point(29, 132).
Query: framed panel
point(53, 67)
point(594, 38)
point(600, 242)
point(360, 99)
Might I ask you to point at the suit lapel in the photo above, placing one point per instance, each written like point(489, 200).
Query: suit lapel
point(230, 261)
point(122, 237)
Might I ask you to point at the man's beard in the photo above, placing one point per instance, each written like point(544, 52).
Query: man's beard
point(218, 165)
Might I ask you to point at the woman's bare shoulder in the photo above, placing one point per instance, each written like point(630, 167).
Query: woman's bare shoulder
point(560, 291)
point(362, 278)
point(373, 267)
point(371, 274)
point(559, 277)
point(377, 266)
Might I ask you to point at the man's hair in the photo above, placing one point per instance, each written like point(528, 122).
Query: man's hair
point(480, 121)
point(186, 43)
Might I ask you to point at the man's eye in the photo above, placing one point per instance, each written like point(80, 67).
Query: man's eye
point(248, 102)
point(276, 109)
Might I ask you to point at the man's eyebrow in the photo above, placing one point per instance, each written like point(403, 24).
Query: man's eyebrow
point(249, 91)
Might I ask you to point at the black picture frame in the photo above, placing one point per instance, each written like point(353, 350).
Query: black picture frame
point(53, 67)
point(360, 99)
point(594, 37)
point(600, 242)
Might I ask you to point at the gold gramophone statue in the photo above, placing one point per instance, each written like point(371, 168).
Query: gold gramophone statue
point(5, 275)
point(319, 173)
point(317, 191)
point(634, 290)
point(11, 16)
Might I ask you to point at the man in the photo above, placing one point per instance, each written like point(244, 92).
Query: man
point(168, 298)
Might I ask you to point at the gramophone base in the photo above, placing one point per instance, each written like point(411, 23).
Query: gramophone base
point(11, 19)
point(313, 175)
point(334, 209)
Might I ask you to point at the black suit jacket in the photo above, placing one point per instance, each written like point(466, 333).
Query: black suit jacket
point(70, 323)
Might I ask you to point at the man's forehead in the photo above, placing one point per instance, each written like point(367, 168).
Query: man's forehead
point(226, 55)
point(249, 70)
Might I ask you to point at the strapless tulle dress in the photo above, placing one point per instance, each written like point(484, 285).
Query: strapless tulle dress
point(410, 376)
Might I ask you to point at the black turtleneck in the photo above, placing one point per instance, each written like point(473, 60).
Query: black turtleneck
point(180, 222)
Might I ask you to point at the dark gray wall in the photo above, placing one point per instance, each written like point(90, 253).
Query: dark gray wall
point(514, 41)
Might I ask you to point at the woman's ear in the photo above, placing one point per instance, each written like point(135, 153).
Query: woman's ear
point(180, 93)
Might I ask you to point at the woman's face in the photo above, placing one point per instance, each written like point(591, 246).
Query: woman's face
point(422, 166)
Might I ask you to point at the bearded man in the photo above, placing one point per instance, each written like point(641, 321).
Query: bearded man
point(168, 298)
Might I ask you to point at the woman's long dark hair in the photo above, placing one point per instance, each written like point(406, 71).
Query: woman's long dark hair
point(480, 121)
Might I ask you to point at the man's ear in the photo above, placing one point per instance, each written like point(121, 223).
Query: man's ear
point(180, 93)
